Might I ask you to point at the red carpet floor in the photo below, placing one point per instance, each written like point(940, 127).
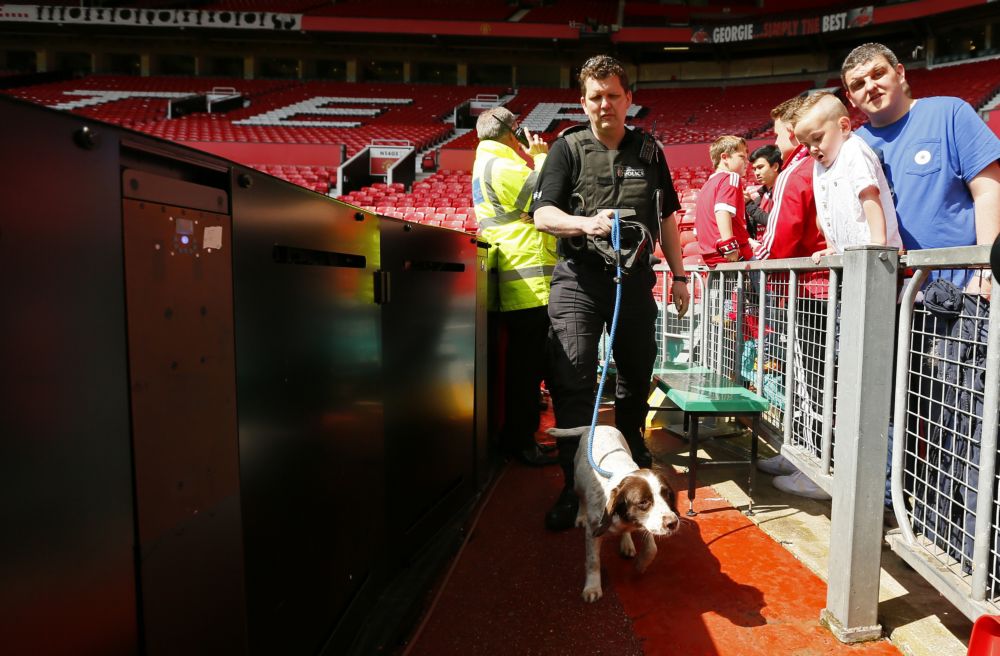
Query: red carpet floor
point(718, 586)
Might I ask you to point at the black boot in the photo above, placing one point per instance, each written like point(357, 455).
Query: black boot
point(637, 445)
point(535, 456)
point(562, 515)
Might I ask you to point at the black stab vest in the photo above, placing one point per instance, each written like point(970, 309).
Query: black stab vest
point(610, 179)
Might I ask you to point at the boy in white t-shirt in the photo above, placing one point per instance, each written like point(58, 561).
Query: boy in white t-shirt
point(853, 200)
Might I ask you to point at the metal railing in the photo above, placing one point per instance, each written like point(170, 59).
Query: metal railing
point(775, 326)
point(742, 319)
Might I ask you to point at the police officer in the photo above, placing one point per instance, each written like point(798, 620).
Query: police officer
point(522, 259)
point(591, 171)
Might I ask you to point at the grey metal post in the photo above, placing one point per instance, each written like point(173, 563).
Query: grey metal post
point(869, 286)
point(902, 386)
point(761, 330)
point(706, 319)
point(738, 346)
point(790, 346)
point(720, 331)
point(826, 439)
point(696, 282)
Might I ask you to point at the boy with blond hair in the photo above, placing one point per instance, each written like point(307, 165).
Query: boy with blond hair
point(720, 213)
point(853, 200)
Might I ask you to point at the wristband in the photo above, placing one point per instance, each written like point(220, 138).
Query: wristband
point(726, 246)
point(683, 279)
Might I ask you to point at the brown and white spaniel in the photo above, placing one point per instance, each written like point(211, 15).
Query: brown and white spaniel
point(633, 499)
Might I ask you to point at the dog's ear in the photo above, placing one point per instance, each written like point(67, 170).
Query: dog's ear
point(609, 513)
point(667, 492)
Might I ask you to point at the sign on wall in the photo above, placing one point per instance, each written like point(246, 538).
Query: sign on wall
point(844, 20)
point(131, 17)
point(383, 153)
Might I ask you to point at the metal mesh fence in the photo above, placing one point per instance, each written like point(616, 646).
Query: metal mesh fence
point(943, 431)
point(775, 349)
point(777, 330)
point(675, 336)
point(809, 364)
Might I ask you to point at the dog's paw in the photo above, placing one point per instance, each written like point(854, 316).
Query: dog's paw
point(592, 593)
point(626, 547)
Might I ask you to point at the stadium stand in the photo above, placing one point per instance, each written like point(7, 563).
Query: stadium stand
point(353, 114)
point(681, 115)
point(280, 111)
point(488, 10)
point(592, 12)
point(133, 101)
point(317, 178)
point(444, 197)
point(700, 114)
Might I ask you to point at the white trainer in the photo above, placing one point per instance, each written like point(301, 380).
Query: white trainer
point(779, 465)
point(800, 485)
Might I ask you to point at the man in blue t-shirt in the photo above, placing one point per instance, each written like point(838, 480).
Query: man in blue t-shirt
point(940, 158)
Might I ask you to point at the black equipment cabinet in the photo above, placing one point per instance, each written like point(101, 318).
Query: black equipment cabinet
point(428, 322)
point(214, 381)
point(309, 364)
point(66, 549)
point(179, 314)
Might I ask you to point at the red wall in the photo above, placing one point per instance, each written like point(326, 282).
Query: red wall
point(265, 153)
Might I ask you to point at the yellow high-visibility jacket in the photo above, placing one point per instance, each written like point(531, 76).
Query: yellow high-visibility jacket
point(521, 256)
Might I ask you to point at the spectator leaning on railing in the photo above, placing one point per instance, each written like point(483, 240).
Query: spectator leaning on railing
point(941, 162)
point(720, 217)
point(791, 226)
point(939, 157)
point(853, 200)
point(792, 231)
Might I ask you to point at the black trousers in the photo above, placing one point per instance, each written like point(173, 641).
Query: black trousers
point(581, 307)
point(524, 370)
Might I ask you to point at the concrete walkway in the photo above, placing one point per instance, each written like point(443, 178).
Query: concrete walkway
point(918, 620)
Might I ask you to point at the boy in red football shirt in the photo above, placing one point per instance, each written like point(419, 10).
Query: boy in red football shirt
point(720, 214)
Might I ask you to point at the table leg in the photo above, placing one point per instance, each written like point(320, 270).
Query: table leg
point(753, 462)
point(692, 463)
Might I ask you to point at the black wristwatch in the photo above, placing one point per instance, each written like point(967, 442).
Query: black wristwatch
point(683, 279)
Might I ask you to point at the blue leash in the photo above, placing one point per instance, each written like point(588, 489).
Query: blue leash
point(616, 244)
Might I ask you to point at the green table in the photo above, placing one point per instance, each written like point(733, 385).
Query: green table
point(700, 392)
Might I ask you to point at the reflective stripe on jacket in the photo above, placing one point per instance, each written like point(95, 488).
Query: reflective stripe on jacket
point(521, 256)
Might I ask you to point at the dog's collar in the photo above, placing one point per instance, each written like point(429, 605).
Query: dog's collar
point(617, 478)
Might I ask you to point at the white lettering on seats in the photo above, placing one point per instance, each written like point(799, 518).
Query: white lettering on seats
point(315, 106)
point(98, 97)
point(543, 115)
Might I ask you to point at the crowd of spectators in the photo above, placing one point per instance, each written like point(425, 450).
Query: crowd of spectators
point(918, 173)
